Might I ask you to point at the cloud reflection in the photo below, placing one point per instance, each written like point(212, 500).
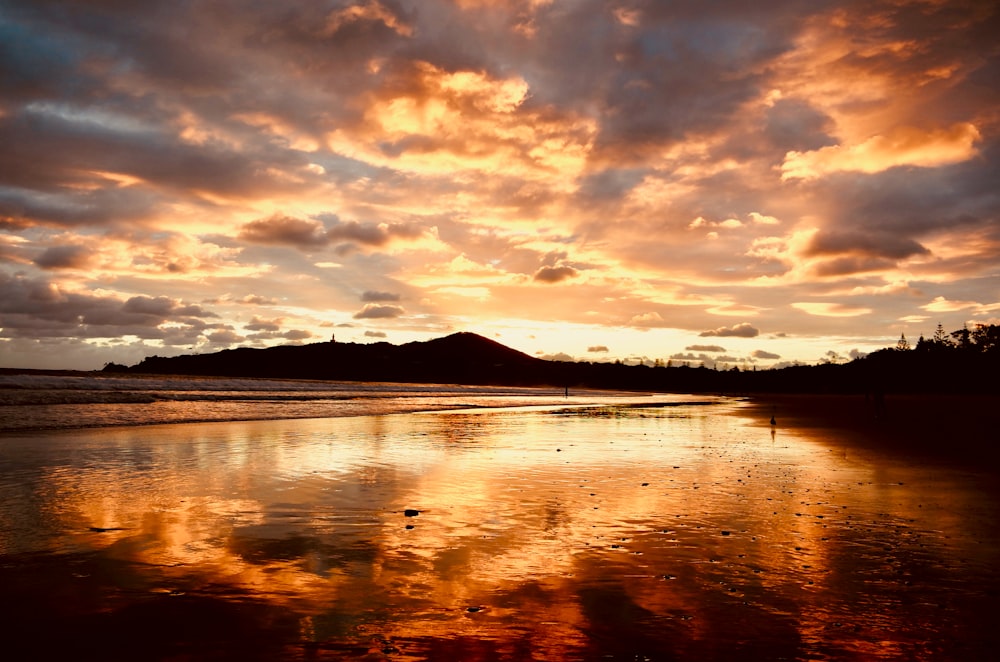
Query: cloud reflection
point(629, 530)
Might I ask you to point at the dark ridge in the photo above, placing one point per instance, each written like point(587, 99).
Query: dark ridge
point(962, 366)
point(459, 358)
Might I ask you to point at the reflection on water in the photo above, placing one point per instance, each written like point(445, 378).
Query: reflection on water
point(603, 533)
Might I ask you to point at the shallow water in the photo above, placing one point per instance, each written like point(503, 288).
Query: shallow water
point(52, 402)
point(617, 532)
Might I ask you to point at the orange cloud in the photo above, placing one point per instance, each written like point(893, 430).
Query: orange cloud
point(373, 11)
point(903, 146)
point(831, 309)
point(942, 305)
point(433, 121)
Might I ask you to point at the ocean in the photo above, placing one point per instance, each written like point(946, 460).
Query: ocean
point(314, 521)
point(32, 401)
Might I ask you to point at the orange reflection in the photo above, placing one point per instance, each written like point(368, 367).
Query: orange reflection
point(616, 529)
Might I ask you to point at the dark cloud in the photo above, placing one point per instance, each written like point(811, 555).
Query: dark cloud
point(844, 266)
point(597, 348)
point(313, 234)
point(48, 147)
point(259, 324)
point(555, 274)
point(681, 73)
point(39, 308)
point(272, 332)
point(761, 354)
point(373, 296)
point(71, 207)
point(224, 337)
point(742, 330)
point(793, 124)
point(64, 257)
point(374, 334)
point(297, 335)
point(163, 307)
point(371, 234)
point(892, 214)
point(285, 230)
point(872, 244)
point(705, 348)
point(376, 311)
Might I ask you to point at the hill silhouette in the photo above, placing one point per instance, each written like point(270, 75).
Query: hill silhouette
point(459, 358)
point(964, 362)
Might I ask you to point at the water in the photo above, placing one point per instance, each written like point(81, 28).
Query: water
point(42, 402)
point(634, 528)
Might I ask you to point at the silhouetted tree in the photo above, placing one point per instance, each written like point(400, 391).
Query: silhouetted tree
point(986, 337)
point(963, 337)
point(940, 338)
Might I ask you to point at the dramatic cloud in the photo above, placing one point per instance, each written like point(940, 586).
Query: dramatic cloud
point(567, 174)
point(743, 330)
point(761, 354)
point(41, 309)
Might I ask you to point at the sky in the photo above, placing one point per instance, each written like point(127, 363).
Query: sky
point(727, 183)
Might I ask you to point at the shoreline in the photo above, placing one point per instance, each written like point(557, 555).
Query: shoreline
point(949, 429)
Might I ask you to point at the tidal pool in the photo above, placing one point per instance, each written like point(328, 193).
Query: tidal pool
point(684, 532)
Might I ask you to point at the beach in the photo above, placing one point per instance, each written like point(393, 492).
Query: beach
point(937, 428)
point(653, 527)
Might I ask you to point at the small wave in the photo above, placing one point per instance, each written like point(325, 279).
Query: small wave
point(45, 401)
point(41, 397)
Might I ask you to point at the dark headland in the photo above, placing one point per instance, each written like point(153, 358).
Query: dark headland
point(467, 358)
point(939, 397)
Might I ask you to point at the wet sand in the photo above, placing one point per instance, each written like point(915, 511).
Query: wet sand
point(622, 533)
point(953, 430)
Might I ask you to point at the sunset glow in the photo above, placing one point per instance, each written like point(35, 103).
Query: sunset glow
point(598, 181)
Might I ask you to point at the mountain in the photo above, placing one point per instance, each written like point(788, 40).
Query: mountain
point(464, 358)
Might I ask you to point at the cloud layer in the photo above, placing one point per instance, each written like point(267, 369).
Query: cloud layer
point(801, 179)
